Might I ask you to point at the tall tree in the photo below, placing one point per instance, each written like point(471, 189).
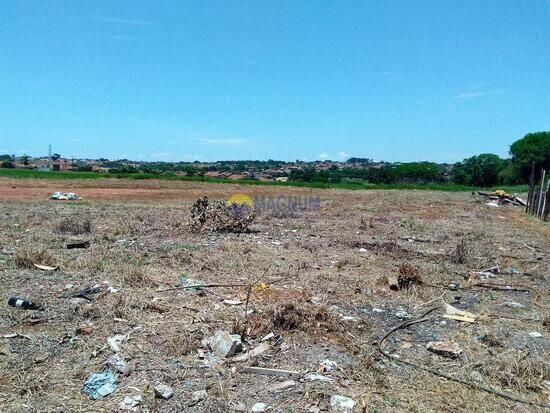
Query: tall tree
point(533, 147)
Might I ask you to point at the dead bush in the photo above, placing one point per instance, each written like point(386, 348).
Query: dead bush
point(75, 225)
point(290, 316)
point(26, 257)
point(409, 276)
point(221, 216)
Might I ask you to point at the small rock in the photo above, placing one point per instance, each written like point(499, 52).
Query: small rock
point(513, 304)
point(163, 391)
point(328, 365)
point(130, 403)
point(259, 407)
point(118, 363)
point(476, 376)
point(363, 250)
point(535, 334)
point(199, 395)
point(444, 349)
point(402, 314)
point(224, 344)
point(342, 403)
point(84, 329)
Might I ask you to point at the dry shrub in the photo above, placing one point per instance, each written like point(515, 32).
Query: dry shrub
point(409, 276)
point(290, 316)
point(522, 373)
point(26, 257)
point(461, 253)
point(221, 216)
point(75, 225)
point(135, 276)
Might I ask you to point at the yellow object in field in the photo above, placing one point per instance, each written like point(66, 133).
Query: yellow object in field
point(500, 192)
point(260, 287)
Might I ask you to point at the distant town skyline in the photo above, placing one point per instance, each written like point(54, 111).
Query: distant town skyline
point(170, 81)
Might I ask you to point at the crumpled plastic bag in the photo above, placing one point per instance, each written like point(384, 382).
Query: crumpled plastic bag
point(100, 385)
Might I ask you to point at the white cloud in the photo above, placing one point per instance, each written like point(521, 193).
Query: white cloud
point(323, 156)
point(211, 141)
point(343, 156)
point(477, 91)
point(162, 156)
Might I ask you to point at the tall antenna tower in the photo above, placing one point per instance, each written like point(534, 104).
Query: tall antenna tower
point(50, 157)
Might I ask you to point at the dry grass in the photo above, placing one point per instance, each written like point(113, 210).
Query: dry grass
point(75, 225)
point(322, 306)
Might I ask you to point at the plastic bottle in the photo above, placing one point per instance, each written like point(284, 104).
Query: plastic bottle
point(18, 302)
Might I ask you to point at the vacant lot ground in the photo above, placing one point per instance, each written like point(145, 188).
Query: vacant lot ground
point(324, 295)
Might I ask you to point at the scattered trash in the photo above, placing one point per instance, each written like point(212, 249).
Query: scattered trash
point(252, 353)
point(277, 387)
point(363, 250)
point(444, 349)
point(493, 204)
point(501, 197)
point(15, 335)
point(535, 334)
point(95, 289)
point(117, 362)
point(190, 284)
point(130, 403)
point(65, 196)
point(259, 408)
point(271, 372)
point(46, 267)
point(232, 302)
point(349, 318)
point(513, 270)
point(163, 391)
point(459, 315)
point(100, 385)
point(268, 336)
point(317, 377)
point(18, 302)
point(199, 395)
point(77, 244)
point(328, 365)
point(224, 344)
point(378, 310)
point(342, 403)
point(116, 341)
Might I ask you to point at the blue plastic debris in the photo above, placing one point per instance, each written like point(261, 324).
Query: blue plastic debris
point(100, 385)
point(190, 284)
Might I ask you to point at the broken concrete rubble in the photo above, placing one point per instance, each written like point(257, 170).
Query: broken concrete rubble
point(163, 391)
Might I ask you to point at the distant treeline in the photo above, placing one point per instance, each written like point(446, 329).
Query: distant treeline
point(483, 170)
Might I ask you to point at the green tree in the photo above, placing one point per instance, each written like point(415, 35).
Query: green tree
point(483, 170)
point(533, 147)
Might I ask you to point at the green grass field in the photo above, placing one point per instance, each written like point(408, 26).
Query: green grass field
point(23, 173)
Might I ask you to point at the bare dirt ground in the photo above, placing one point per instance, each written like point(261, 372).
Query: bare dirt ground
point(324, 295)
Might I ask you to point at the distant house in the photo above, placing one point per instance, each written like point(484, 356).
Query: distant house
point(62, 165)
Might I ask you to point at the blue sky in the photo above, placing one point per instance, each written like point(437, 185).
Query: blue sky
point(201, 80)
